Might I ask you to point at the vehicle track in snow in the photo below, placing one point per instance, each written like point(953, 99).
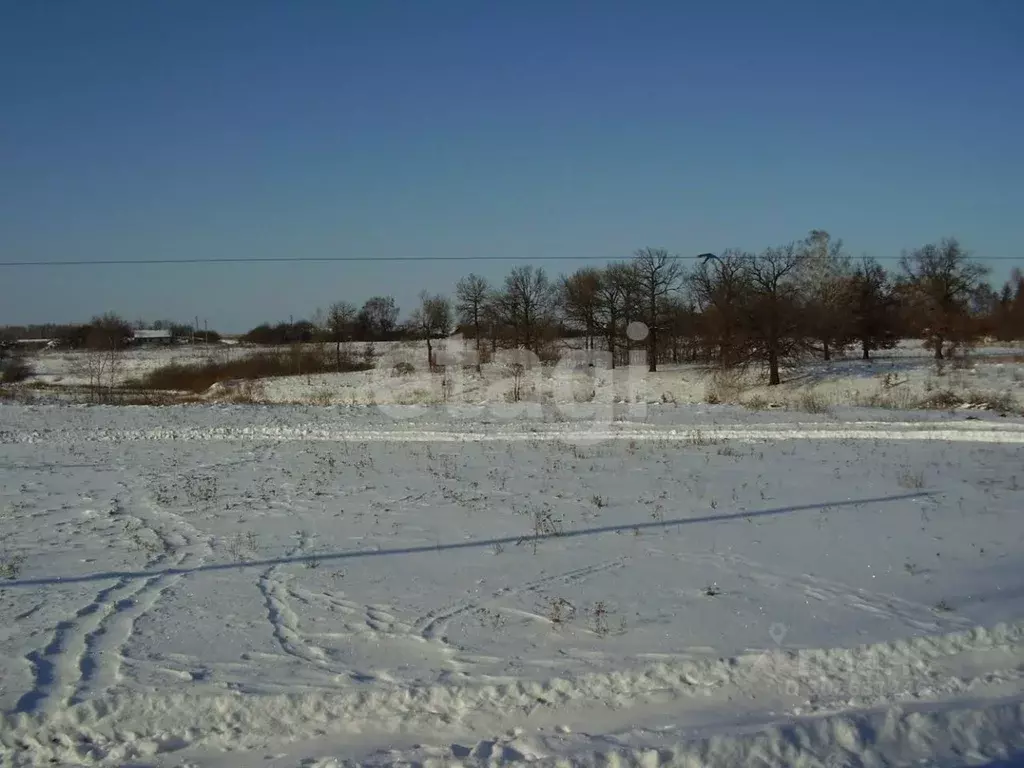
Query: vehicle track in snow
point(83, 655)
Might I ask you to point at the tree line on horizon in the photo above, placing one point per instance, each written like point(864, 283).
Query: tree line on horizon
point(774, 309)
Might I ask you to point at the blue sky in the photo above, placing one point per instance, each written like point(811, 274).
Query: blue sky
point(195, 129)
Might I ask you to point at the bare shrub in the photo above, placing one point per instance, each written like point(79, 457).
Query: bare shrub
point(403, 368)
point(10, 566)
point(725, 386)
point(130, 396)
point(243, 547)
point(549, 353)
point(322, 397)
point(757, 403)
point(247, 393)
point(369, 356)
point(599, 618)
point(560, 611)
point(199, 378)
point(517, 363)
point(995, 401)
point(812, 402)
point(913, 479)
point(545, 525)
point(942, 399)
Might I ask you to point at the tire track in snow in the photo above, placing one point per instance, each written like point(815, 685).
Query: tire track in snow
point(362, 623)
point(184, 547)
point(100, 664)
point(84, 654)
point(286, 626)
point(59, 666)
point(917, 615)
point(373, 622)
point(434, 624)
point(285, 623)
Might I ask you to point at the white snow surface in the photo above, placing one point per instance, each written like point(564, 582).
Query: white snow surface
point(899, 378)
point(659, 585)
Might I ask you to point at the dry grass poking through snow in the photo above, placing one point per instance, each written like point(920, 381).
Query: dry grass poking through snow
point(295, 362)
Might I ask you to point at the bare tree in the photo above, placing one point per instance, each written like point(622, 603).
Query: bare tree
point(1008, 317)
point(378, 317)
point(774, 313)
point(612, 307)
point(578, 295)
point(681, 326)
point(719, 287)
point(432, 319)
point(340, 319)
point(824, 268)
point(940, 281)
point(471, 296)
point(491, 316)
point(872, 308)
point(106, 339)
point(526, 305)
point(658, 275)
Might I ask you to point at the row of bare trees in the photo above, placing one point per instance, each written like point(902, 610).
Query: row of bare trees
point(771, 309)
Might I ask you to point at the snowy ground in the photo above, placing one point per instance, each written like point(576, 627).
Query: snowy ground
point(70, 367)
point(901, 378)
point(662, 584)
point(894, 382)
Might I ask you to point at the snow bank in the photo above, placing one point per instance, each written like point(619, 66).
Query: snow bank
point(131, 727)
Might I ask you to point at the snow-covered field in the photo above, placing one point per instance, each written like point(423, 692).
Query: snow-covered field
point(646, 584)
point(901, 381)
point(902, 378)
point(70, 367)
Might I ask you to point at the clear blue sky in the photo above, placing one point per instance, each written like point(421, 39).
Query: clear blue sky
point(198, 129)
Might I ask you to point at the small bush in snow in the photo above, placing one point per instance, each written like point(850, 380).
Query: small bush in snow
point(812, 402)
point(941, 399)
point(322, 397)
point(560, 611)
point(912, 479)
point(10, 567)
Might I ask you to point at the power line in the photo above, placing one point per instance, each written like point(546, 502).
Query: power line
point(344, 259)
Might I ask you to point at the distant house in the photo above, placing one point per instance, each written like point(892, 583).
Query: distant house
point(151, 337)
point(36, 343)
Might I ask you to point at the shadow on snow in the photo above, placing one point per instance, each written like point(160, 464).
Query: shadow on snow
point(413, 550)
